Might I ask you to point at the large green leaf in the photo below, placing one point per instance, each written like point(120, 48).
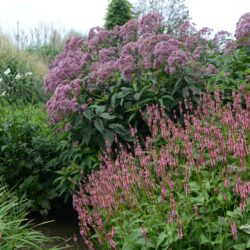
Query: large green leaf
point(161, 239)
point(99, 125)
point(107, 116)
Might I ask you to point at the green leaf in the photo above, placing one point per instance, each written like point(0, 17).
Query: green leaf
point(248, 244)
point(86, 135)
point(113, 101)
point(185, 92)
point(241, 246)
point(161, 238)
point(88, 114)
point(137, 96)
point(100, 109)
point(4, 147)
point(172, 236)
point(121, 95)
point(149, 244)
point(116, 126)
point(109, 136)
point(107, 116)
point(99, 125)
point(176, 86)
point(134, 87)
point(143, 103)
point(189, 80)
point(222, 221)
point(203, 239)
point(131, 117)
point(235, 214)
point(128, 245)
point(168, 97)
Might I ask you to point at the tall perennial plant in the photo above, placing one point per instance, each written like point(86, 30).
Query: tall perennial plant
point(186, 187)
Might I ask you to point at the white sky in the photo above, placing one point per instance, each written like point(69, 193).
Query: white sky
point(81, 15)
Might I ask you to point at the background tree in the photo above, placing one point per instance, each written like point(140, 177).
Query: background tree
point(119, 12)
point(174, 12)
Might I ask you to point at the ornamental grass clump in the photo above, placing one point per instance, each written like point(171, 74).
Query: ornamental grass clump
point(16, 232)
point(187, 186)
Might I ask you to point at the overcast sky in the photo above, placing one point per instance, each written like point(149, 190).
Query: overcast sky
point(81, 15)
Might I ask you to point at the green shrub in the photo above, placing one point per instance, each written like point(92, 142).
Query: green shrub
point(28, 154)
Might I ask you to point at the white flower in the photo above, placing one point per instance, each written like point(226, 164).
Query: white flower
point(1, 79)
point(28, 74)
point(6, 72)
point(18, 76)
point(3, 94)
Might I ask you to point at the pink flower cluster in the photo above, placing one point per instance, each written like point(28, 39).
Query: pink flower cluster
point(129, 51)
point(151, 23)
point(213, 137)
point(222, 40)
point(68, 65)
point(243, 30)
point(64, 100)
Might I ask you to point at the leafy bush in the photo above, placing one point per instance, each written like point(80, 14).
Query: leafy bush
point(28, 156)
point(15, 231)
point(187, 187)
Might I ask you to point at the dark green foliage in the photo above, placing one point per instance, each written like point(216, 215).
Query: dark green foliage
point(28, 154)
point(77, 160)
point(119, 12)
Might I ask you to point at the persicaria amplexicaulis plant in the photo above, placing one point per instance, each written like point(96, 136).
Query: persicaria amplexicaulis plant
point(186, 186)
